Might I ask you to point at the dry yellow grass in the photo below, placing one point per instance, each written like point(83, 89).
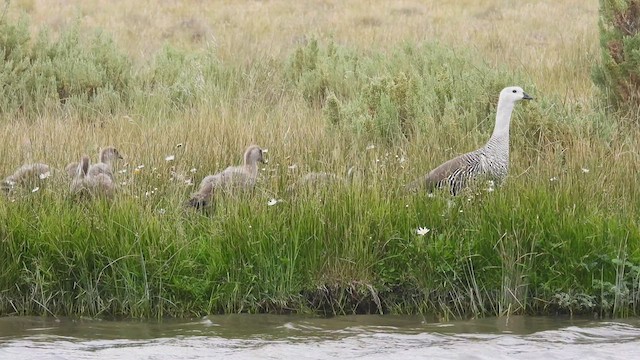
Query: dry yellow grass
point(555, 42)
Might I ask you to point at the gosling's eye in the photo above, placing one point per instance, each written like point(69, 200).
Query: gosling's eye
point(514, 91)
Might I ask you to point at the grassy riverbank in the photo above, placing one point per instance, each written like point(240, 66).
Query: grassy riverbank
point(350, 89)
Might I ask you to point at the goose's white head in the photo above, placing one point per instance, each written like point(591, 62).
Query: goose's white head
point(253, 155)
point(514, 94)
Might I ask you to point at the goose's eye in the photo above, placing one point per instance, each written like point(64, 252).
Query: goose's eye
point(514, 91)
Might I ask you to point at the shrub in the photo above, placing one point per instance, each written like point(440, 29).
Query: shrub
point(618, 75)
point(177, 77)
point(69, 73)
point(390, 96)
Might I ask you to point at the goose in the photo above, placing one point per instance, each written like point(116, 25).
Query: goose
point(84, 183)
point(243, 176)
point(490, 161)
point(26, 175)
point(106, 156)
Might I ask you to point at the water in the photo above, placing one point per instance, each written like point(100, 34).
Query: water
point(296, 337)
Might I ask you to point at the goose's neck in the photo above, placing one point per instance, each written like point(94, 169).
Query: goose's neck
point(503, 119)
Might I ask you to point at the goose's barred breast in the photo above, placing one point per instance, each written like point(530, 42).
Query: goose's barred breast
point(491, 161)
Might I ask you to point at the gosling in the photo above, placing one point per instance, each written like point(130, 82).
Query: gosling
point(28, 175)
point(106, 156)
point(86, 184)
point(240, 177)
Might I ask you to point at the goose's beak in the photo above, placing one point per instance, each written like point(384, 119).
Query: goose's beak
point(526, 96)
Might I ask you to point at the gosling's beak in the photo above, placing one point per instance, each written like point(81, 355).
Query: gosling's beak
point(526, 96)
point(262, 159)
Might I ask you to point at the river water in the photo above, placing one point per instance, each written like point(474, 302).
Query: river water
point(297, 337)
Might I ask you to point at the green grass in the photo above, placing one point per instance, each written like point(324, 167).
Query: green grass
point(536, 245)
point(522, 249)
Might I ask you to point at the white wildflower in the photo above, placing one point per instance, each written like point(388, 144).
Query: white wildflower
point(193, 170)
point(553, 179)
point(491, 185)
point(122, 171)
point(371, 147)
point(141, 166)
point(35, 189)
point(273, 202)
point(45, 175)
point(170, 158)
point(585, 170)
point(162, 211)
point(422, 231)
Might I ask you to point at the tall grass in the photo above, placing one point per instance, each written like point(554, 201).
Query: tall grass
point(561, 236)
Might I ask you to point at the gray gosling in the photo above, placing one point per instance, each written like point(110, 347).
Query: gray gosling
point(490, 162)
point(233, 177)
point(28, 175)
point(318, 180)
point(84, 184)
point(106, 156)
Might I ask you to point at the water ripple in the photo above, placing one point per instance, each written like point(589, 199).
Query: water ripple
point(273, 337)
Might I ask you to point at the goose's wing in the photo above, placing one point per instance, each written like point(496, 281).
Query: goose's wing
point(455, 173)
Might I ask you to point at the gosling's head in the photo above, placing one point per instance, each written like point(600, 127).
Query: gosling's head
point(514, 93)
point(109, 153)
point(253, 154)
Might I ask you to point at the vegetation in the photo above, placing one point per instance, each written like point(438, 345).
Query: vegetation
point(561, 236)
point(619, 73)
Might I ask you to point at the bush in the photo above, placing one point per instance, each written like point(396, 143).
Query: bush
point(70, 73)
point(390, 96)
point(90, 77)
point(177, 77)
point(618, 76)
